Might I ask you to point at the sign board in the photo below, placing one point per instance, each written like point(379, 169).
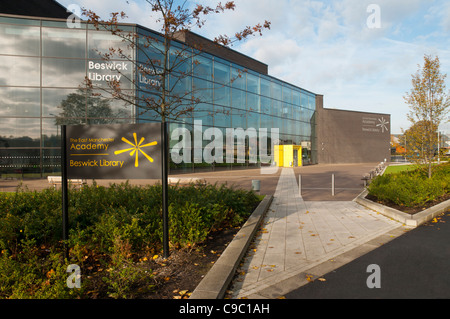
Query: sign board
point(124, 151)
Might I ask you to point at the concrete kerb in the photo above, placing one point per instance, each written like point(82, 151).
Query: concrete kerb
point(407, 219)
point(216, 281)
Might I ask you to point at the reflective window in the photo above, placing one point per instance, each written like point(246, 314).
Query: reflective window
point(101, 43)
point(222, 95)
point(51, 160)
point(180, 58)
point(19, 162)
point(238, 99)
point(304, 101)
point(253, 102)
point(296, 112)
point(100, 105)
point(266, 105)
point(202, 67)
point(296, 98)
point(19, 40)
point(57, 104)
point(202, 90)
point(312, 102)
point(205, 113)
point(20, 102)
point(63, 72)
point(253, 120)
point(222, 73)
point(276, 91)
point(266, 122)
point(239, 79)
point(68, 43)
point(20, 132)
point(19, 71)
point(287, 95)
point(180, 87)
point(51, 133)
point(265, 87)
point(253, 83)
point(276, 108)
point(54, 101)
point(25, 21)
point(222, 116)
point(150, 53)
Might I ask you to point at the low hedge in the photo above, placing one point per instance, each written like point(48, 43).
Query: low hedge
point(411, 188)
point(118, 223)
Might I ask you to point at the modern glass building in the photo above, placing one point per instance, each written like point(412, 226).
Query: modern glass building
point(44, 65)
point(46, 62)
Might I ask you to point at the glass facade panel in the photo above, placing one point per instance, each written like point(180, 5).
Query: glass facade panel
point(18, 163)
point(19, 71)
point(20, 132)
point(239, 79)
point(20, 102)
point(222, 73)
point(222, 95)
point(205, 113)
point(51, 133)
point(202, 90)
point(239, 99)
point(100, 43)
point(253, 83)
point(63, 72)
point(203, 67)
point(54, 101)
point(68, 43)
point(19, 40)
point(253, 102)
point(223, 116)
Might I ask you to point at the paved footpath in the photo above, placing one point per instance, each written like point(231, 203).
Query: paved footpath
point(300, 241)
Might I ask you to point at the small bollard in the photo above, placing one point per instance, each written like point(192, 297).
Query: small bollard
point(332, 184)
point(300, 185)
point(256, 185)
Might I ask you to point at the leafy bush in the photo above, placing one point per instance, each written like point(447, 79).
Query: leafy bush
point(411, 188)
point(114, 224)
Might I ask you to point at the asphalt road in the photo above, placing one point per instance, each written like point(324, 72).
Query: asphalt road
point(415, 265)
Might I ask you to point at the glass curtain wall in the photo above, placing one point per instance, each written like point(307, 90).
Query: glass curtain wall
point(227, 95)
point(44, 65)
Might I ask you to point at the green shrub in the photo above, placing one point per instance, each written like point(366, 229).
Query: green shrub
point(108, 223)
point(411, 188)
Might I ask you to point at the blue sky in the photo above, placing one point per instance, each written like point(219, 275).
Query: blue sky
point(328, 48)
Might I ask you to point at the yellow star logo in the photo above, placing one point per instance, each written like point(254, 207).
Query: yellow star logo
point(137, 147)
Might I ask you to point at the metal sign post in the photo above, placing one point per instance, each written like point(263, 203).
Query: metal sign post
point(64, 190)
point(165, 187)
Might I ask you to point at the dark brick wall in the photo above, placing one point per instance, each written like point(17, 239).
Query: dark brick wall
point(352, 137)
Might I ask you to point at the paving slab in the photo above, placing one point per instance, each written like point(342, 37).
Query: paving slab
point(303, 239)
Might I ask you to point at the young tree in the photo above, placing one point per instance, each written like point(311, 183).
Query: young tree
point(163, 63)
point(429, 104)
